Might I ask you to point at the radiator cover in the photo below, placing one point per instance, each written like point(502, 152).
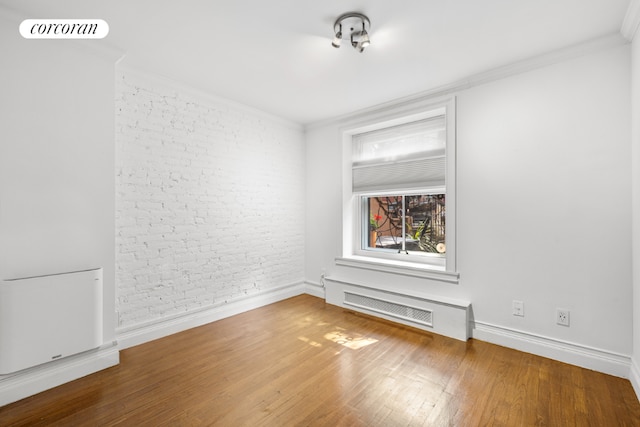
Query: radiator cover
point(399, 311)
point(439, 314)
point(47, 318)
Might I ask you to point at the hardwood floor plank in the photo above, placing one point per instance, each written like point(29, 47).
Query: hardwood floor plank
point(303, 362)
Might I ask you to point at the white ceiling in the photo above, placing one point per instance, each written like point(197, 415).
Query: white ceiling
point(276, 55)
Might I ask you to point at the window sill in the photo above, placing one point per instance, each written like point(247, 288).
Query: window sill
point(401, 267)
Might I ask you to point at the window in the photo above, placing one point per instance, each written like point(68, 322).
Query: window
point(409, 223)
point(403, 187)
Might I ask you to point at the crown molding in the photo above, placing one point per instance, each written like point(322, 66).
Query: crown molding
point(556, 56)
point(631, 20)
point(158, 81)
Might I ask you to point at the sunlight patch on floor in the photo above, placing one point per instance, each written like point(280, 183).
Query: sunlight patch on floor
point(349, 341)
point(310, 342)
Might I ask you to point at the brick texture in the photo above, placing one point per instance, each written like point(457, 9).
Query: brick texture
point(209, 203)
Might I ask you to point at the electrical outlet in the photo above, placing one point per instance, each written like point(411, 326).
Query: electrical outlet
point(562, 316)
point(518, 308)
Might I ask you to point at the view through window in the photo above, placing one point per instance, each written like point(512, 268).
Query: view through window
point(406, 223)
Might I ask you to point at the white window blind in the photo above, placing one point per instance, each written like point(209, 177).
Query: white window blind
point(407, 156)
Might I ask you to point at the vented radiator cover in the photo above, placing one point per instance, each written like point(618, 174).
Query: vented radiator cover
point(439, 314)
point(46, 318)
point(399, 311)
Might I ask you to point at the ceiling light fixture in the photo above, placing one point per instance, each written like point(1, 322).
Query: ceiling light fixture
point(337, 39)
point(354, 21)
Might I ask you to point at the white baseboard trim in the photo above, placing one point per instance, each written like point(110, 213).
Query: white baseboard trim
point(634, 377)
point(28, 382)
point(574, 354)
point(314, 289)
point(149, 331)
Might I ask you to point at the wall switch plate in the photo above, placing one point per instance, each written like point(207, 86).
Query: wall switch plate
point(562, 316)
point(518, 308)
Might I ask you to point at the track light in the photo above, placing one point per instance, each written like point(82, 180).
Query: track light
point(337, 39)
point(353, 21)
point(363, 41)
point(364, 38)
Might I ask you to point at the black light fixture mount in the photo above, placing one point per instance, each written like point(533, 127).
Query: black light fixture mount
point(357, 26)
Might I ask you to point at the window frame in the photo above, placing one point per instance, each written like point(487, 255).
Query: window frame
point(353, 254)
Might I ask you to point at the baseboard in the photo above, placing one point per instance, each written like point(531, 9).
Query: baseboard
point(40, 378)
point(314, 289)
point(575, 354)
point(634, 377)
point(34, 380)
point(145, 332)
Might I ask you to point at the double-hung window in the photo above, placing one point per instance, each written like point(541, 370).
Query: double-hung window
point(403, 186)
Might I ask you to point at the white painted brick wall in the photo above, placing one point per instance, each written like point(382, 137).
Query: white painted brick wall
point(209, 203)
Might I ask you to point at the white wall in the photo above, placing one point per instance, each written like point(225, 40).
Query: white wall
point(635, 146)
point(56, 169)
point(210, 201)
point(543, 206)
point(549, 150)
point(56, 159)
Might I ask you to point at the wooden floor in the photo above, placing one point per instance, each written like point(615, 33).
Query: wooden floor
point(301, 362)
